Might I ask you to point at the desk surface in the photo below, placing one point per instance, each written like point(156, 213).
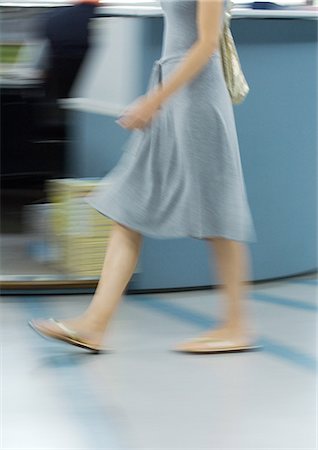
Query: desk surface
point(237, 13)
point(151, 8)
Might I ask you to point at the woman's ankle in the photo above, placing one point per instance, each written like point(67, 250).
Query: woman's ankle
point(236, 327)
point(95, 322)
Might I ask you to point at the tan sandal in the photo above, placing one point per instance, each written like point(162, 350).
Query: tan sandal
point(210, 345)
point(66, 335)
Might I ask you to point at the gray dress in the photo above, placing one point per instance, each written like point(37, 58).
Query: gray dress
point(181, 176)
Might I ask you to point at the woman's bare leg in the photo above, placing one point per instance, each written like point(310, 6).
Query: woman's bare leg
point(233, 272)
point(120, 261)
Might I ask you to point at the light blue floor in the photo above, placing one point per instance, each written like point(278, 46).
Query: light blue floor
point(143, 396)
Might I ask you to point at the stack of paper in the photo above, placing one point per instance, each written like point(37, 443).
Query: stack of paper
point(79, 231)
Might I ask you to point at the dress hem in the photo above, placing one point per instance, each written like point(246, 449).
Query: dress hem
point(161, 235)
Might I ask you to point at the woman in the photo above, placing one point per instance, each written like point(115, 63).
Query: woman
point(180, 176)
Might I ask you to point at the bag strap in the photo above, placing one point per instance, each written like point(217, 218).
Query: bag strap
point(228, 12)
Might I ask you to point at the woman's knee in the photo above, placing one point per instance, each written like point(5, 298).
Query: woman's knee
point(128, 232)
point(215, 239)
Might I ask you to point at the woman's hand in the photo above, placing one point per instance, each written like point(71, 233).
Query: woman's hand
point(140, 113)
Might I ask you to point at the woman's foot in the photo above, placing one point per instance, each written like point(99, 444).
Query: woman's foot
point(79, 331)
point(220, 339)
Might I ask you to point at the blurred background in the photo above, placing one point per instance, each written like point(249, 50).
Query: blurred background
point(67, 71)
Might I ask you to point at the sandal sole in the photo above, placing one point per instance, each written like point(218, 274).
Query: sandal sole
point(221, 350)
point(60, 337)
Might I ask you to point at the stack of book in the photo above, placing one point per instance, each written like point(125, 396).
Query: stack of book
point(80, 233)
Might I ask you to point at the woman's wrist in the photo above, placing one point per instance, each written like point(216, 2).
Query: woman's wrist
point(157, 97)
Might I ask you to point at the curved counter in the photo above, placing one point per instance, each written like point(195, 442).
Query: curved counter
point(277, 133)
